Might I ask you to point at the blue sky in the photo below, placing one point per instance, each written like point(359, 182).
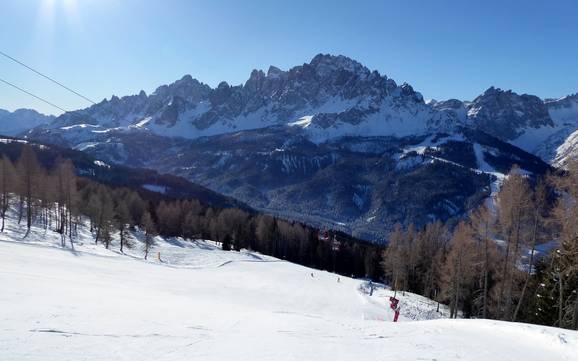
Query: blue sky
point(443, 48)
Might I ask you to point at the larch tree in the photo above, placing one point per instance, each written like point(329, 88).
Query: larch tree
point(394, 258)
point(122, 221)
point(538, 233)
point(66, 196)
point(482, 221)
point(7, 173)
point(150, 232)
point(264, 231)
point(514, 219)
point(458, 273)
point(105, 220)
point(29, 180)
point(430, 245)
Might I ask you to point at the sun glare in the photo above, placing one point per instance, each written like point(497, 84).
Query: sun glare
point(52, 11)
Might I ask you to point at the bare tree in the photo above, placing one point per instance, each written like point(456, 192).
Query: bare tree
point(66, 197)
point(29, 172)
point(122, 220)
point(150, 232)
point(482, 221)
point(7, 173)
point(394, 258)
point(458, 273)
point(265, 232)
point(514, 215)
point(539, 205)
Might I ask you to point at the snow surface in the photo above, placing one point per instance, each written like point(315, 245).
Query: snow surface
point(554, 144)
point(155, 188)
point(201, 303)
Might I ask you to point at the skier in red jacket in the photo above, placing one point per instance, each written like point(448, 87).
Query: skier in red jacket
point(396, 310)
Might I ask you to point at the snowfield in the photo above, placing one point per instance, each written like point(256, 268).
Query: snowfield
point(201, 303)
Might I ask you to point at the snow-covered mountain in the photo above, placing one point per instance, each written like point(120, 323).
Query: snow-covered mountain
point(329, 142)
point(20, 120)
point(328, 97)
point(540, 127)
point(562, 144)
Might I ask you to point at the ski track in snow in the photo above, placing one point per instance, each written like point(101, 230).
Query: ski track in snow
point(201, 303)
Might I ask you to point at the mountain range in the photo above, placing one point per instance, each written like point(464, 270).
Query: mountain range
point(21, 120)
point(329, 142)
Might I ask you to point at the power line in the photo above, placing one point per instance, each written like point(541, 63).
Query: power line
point(46, 77)
point(35, 96)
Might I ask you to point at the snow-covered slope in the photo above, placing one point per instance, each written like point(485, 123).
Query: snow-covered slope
point(201, 303)
point(562, 145)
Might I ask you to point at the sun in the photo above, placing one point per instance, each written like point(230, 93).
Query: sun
point(64, 9)
point(64, 4)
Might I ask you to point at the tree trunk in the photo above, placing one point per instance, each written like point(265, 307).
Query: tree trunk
point(20, 208)
point(28, 212)
point(560, 300)
point(146, 247)
point(485, 294)
point(505, 275)
point(531, 263)
point(509, 300)
point(121, 239)
point(576, 314)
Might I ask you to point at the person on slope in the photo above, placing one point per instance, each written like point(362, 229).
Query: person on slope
point(396, 312)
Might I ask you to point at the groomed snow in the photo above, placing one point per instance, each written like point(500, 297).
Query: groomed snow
point(201, 303)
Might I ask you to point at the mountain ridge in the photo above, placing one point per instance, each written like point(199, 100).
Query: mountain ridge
point(328, 97)
point(330, 142)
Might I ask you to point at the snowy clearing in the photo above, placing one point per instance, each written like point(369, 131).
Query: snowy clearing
point(201, 303)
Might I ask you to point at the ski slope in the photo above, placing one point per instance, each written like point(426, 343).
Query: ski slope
point(201, 303)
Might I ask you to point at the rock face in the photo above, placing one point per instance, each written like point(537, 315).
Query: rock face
point(328, 142)
point(506, 114)
point(334, 94)
point(545, 128)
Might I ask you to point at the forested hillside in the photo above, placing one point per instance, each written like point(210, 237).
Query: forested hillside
point(512, 259)
point(515, 258)
point(56, 197)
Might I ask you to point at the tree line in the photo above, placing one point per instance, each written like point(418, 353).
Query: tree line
point(488, 266)
point(57, 198)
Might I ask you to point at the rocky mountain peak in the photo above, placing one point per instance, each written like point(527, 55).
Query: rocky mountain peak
point(12, 123)
point(326, 63)
point(274, 72)
point(407, 91)
point(506, 114)
point(255, 81)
